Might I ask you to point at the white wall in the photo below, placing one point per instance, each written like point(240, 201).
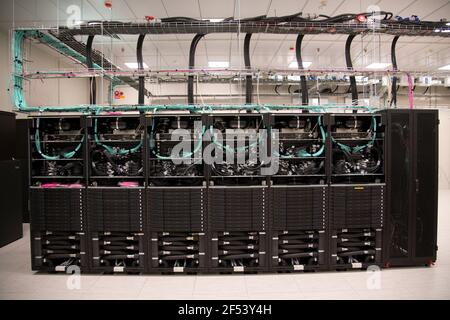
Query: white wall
point(58, 92)
point(444, 149)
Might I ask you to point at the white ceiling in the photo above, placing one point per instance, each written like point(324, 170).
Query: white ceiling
point(268, 50)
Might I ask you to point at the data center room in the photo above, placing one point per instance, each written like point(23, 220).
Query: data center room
point(232, 149)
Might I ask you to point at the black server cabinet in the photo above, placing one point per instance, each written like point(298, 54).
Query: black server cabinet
point(21, 154)
point(57, 193)
point(238, 225)
point(11, 200)
point(357, 189)
point(298, 193)
point(11, 173)
point(412, 157)
point(238, 216)
point(176, 194)
point(115, 198)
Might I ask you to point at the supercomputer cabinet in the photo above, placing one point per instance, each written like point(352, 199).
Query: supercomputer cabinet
point(357, 189)
point(410, 236)
point(116, 191)
point(237, 194)
point(176, 198)
point(298, 193)
point(58, 229)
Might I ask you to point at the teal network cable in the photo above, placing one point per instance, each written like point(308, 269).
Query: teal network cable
point(184, 155)
point(303, 153)
point(111, 150)
point(351, 150)
point(66, 155)
point(230, 149)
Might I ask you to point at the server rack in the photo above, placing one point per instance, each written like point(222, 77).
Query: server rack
point(357, 189)
point(299, 193)
point(412, 156)
point(12, 173)
point(237, 193)
point(106, 196)
point(57, 193)
point(176, 200)
point(116, 191)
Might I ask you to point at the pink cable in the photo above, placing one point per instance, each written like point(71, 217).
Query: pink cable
point(75, 185)
point(410, 92)
point(51, 185)
point(128, 184)
point(60, 185)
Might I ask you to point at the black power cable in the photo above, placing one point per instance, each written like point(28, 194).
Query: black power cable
point(248, 78)
point(298, 53)
point(140, 68)
point(394, 66)
point(90, 65)
point(348, 60)
point(194, 43)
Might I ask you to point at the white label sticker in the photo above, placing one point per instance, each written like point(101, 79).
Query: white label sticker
point(118, 269)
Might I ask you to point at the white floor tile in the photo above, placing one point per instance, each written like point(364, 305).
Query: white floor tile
point(331, 295)
point(221, 296)
point(228, 284)
point(322, 282)
point(295, 295)
point(268, 283)
point(167, 285)
point(149, 295)
point(119, 284)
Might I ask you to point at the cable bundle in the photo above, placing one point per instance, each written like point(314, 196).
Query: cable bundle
point(178, 249)
point(119, 249)
point(106, 164)
point(298, 247)
point(61, 249)
point(355, 246)
point(238, 249)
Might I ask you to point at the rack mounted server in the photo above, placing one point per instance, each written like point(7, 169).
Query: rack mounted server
point(350, 190)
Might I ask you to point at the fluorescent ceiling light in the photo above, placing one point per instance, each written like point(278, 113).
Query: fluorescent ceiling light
point(218, 64)
point(293, 78)
point(447, 67)
point(294, 64)
point(134, 65)
point(361, 79)
point(447, 24)
point(276, 77)
point(378, 65)
point(213, 20)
